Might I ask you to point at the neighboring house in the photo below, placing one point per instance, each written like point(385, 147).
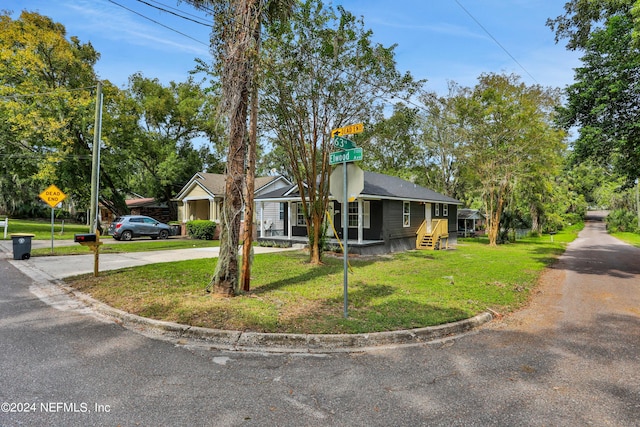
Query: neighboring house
point(389, 215)
point(138, 206)
point(150, 207)
point(470, 221)
point(203, 195)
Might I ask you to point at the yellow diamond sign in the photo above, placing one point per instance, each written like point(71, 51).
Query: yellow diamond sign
point(52, 196)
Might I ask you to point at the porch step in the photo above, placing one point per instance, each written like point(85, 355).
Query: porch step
point(428, 243)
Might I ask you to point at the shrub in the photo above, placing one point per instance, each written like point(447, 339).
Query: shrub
point(201, 229)
point(622, 220)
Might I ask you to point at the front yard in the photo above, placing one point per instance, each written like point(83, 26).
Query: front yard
point(400, 291)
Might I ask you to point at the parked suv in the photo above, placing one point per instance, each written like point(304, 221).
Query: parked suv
point(128, 226)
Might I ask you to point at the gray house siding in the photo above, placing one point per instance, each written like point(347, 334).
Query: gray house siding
point(385, 198)
point(374, 232)
point(396, 236)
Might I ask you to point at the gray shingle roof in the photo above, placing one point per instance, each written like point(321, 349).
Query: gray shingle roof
point(378, 185)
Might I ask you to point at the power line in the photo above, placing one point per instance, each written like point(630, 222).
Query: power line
point(210, 11)
point(495, 40)
point(175, 13)
point(159, 23)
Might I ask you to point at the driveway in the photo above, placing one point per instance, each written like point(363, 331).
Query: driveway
point(570, 358)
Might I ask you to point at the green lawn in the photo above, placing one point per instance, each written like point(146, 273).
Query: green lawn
point(42, 229)
point(631, 238)
point(406, 290)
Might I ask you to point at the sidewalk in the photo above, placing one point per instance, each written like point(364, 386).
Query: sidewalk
point(59, 267)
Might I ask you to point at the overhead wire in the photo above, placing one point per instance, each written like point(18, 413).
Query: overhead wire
point(495, 40)
point(159, 23)
point(206, 24)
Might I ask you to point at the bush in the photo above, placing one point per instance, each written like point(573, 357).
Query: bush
point(622, 220)
point(201, 229)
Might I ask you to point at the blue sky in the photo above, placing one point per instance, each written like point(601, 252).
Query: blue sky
point(437, 40)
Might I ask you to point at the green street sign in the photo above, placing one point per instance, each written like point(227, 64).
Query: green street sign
point(350, 155)
point(343, 143)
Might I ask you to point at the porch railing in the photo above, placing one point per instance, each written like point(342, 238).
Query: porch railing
point(435, 238)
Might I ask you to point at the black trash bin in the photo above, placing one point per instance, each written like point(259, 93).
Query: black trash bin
point(22, 245)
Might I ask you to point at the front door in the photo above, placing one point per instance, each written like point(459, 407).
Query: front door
point(427, 216)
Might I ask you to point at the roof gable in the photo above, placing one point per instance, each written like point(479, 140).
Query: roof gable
point(214, 184)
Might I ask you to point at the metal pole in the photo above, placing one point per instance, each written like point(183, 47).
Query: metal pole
point(638, 200)
point(95, 161)
point(52, 230)
point(345, 237)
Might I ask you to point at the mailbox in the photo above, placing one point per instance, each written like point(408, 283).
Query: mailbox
point(82, 238)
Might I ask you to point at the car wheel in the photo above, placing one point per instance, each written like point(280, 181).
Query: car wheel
point(163, 234)
point(126, 235)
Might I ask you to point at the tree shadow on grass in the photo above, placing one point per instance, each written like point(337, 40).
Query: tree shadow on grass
point(329, 268)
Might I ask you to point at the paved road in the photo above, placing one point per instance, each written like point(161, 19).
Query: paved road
point(571, 358)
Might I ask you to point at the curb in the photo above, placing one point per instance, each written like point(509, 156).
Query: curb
point(279, 342)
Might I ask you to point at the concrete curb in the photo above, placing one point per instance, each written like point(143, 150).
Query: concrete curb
point(278, 342)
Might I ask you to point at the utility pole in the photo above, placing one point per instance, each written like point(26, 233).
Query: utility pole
point(638, 200)
point(95, 161)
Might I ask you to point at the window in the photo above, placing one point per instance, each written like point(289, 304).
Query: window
point(437, 209)
point(353, 214)
point(282, 205)
point(406, 214)
point(445, 210)
point(366, 214)
point(300, 219)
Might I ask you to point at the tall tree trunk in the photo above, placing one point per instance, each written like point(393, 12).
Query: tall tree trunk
point(315, 249)
point(535, 218)
point(247, 246)
point(236, 84)
point(494, 211)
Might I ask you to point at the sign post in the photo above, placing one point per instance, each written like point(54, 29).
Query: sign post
point(349, 153)
point(52, 196)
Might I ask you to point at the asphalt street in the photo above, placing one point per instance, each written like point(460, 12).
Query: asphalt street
point(570, 358)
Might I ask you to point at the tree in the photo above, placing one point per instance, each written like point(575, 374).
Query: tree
point(392, 144)
point(509, 136)
point(168, 120)
point(235, 41)
point(602, 102)
point(47, 110)
point(321, 71)
point(441, 139)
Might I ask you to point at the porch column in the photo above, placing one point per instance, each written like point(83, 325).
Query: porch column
point(261, 219)
point(360, 220)
point(212, 210)
point(289, 228)
point(185, 211)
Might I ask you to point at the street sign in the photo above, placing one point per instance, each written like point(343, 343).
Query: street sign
point(344, 143)
point(52, 196)
point(351, 155)
point(348, 130)
point(355, 182)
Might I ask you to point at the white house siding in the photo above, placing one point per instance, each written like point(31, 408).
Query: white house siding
point(269, 214)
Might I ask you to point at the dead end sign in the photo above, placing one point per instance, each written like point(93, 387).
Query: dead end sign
point(52, 196)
